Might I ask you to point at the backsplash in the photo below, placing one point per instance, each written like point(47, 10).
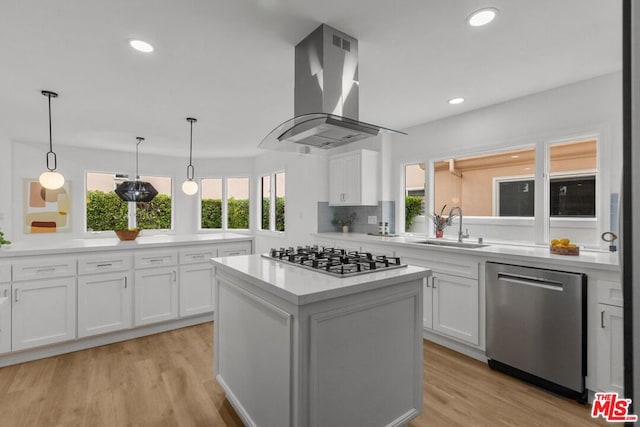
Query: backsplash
point(385, 211)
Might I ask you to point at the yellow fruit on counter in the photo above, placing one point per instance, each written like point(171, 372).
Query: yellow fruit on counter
point(564, 242)
point(555, 242)
point(571, 245)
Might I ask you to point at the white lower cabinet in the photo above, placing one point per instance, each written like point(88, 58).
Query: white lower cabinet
point(196, 289)
point(610, 349)
point(5, 318)
point(455, 307)
point(104, 303)
point(156, 295)
point(43, 312)
point(233, 249)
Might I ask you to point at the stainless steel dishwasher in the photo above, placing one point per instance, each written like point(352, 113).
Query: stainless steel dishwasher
point(537, 326)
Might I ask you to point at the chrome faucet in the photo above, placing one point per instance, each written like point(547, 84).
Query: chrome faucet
point(461, 235)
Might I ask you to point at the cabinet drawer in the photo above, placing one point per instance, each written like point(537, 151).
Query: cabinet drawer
point(610, 292)
point(197, 254)
point(44, 268)
point(104, 263)
point(155, 259)
point(232, 249)
point(5, 273)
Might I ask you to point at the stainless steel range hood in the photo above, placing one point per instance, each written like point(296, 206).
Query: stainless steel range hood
point(325, 96)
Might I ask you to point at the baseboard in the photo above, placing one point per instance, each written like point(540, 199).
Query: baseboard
point(455, 346)
point(98, 340)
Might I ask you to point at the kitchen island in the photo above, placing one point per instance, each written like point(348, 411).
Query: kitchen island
point(294, 347)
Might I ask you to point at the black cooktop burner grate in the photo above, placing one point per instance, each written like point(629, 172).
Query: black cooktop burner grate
point(334, 261)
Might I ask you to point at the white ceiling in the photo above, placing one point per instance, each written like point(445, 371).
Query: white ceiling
point(230, 64)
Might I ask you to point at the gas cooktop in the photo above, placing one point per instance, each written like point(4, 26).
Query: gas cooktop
point(334, 261)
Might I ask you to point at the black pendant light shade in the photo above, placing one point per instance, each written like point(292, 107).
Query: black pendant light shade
point(136, 191)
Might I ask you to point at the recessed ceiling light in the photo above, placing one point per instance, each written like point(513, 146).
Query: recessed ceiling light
point(141, 46)
point(482, 17)
point(454, 101)
point(515, 156)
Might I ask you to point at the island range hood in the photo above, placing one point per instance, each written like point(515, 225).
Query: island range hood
point(325, 97)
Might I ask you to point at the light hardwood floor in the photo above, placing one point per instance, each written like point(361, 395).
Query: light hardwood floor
point(167, 380)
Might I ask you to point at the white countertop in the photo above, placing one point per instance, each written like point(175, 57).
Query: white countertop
point(301, 286)
point(501, 252)
point(113, 243)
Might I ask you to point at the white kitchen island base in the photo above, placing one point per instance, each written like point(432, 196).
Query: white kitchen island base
point(305, 349)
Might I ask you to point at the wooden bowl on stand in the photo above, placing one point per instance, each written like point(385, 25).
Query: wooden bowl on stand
point(127, 234)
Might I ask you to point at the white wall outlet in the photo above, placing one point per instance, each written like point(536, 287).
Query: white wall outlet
point(372, 219)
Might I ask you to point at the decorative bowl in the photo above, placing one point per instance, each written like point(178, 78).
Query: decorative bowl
point(564, 250)
point(127, 234)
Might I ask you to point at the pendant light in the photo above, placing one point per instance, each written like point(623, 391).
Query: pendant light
point(189, 186)
point(136, 191)
point(50, 179)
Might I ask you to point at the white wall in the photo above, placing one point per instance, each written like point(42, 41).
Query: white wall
point(587, 107)
point(5, 186)
point(28, 162)
point(306, 184)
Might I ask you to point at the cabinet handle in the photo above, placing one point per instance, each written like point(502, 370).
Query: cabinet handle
point(427, 282)
point(5, 293)
point(174, 275)
point(45, 270)
point(434, 280)
point(104, 265)
point(602, 319)
point(197, 256)
point(125, 282)
point(16, 296)
point(156, 260)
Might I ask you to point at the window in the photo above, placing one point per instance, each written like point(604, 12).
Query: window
point(414, 183)
point(272, 197)
point(265, 196)
point(211, 203)
point(224, 199)
point(106, 211)
point(507, 195)
point(515, 197)
point(156, 214)
point(238, 203)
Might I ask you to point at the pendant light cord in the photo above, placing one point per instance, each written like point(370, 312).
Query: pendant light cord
point(190, 168)
point(50, 154)
point(140, 139)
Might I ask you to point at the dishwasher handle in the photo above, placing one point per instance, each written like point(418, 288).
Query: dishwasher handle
point(530, 281)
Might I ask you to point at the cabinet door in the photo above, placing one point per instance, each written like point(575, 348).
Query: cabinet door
point(455, 307)
point(196, 289)
point(230, 249)
point(104, 303)
point(353, 180)
point(156, 295)
point(427, 302)
point(337, 181)
point(43, 312)
point(610, 358)
point(5, 318)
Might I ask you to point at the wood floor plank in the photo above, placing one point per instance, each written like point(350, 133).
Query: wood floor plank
point(167, 380)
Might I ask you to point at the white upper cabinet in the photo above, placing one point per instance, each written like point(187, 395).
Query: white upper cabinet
point(353, 179)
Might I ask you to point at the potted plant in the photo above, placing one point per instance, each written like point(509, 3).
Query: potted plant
point(440, 222)
point(3, 241)
point(344, 220)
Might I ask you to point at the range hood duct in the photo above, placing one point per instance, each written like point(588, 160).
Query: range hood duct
point(326, 104)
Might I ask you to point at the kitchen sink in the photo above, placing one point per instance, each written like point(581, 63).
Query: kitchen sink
point(452, 243)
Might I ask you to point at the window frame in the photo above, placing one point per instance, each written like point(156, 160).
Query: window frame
point(131, 206)
point(542, 221)
point(272, 205)
point(224, 221)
